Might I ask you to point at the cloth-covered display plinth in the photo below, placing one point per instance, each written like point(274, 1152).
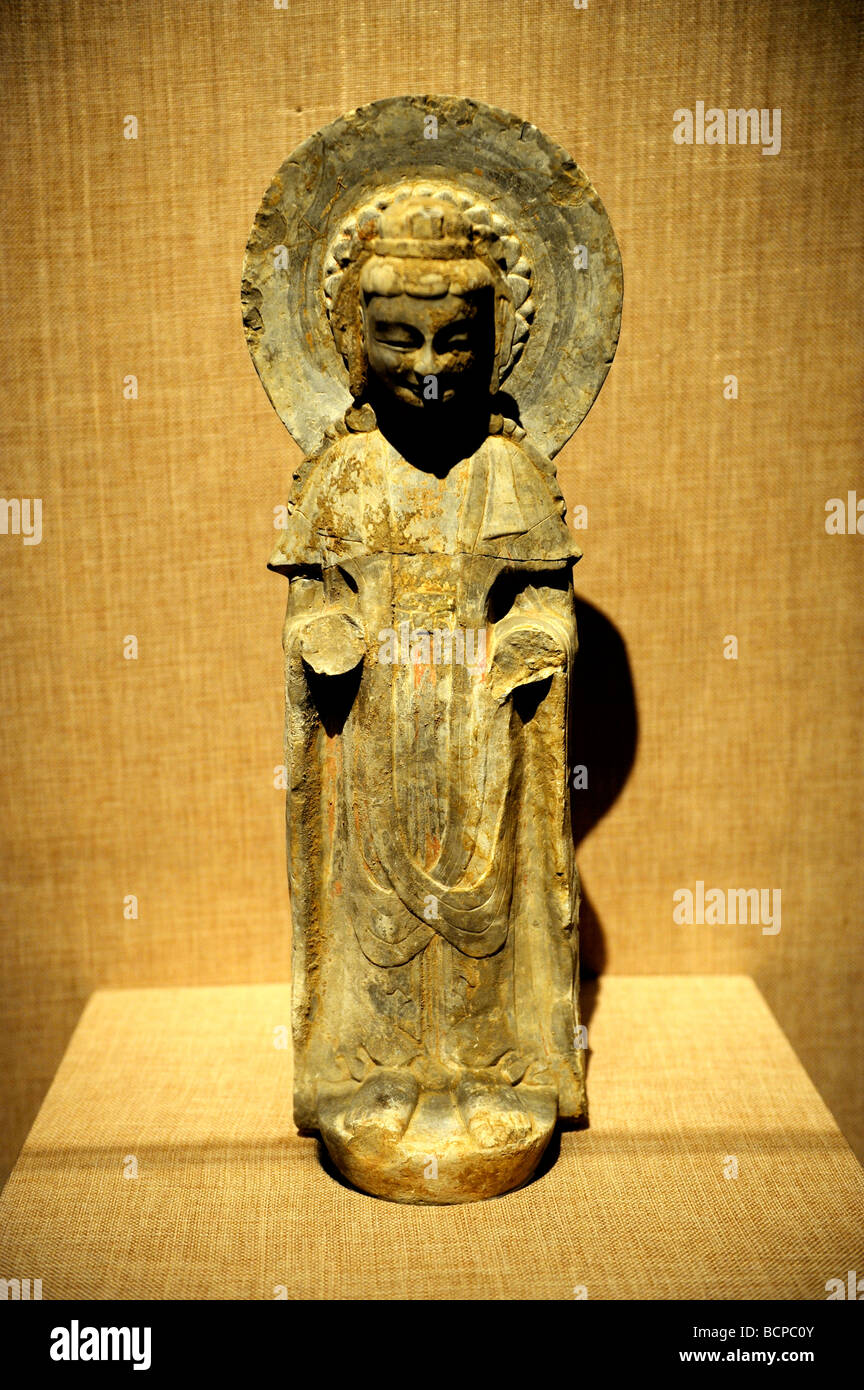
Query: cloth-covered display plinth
point(164, 1164)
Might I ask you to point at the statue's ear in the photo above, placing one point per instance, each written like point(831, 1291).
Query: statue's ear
point(505, 326)
point(346, 321)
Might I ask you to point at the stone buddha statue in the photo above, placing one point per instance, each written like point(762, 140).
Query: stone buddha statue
point(429, 640)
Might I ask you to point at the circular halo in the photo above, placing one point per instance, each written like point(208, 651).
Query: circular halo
point(483, 154)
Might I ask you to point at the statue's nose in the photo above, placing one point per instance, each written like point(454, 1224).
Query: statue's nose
point(426, 361)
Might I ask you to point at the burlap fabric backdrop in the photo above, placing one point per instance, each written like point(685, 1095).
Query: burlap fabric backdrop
point(155, 777)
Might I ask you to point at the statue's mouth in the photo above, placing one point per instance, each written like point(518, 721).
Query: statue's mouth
point(418, 392)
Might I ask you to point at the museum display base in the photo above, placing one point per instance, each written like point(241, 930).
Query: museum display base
point(164, 1164)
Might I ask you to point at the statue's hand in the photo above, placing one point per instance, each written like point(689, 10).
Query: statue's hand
point(525, 650)
point(332, 643)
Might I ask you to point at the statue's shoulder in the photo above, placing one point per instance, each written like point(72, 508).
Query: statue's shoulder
point(524, 508)
point(334, 466)
point(513, 447)
point(330, 498)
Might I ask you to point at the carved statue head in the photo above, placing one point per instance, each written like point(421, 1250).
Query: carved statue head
point(383, 255)
point(424, 295)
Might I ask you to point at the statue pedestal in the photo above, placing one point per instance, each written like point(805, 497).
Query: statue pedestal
point(189, 1093)
point(437, 1161)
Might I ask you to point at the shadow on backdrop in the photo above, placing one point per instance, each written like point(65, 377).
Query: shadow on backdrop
point(604, 734)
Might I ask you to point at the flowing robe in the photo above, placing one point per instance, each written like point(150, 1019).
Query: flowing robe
point(433, 884)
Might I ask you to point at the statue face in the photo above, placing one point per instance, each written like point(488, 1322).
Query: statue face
point(410, 339)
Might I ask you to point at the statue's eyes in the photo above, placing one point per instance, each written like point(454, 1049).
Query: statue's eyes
point(398, 335)
point(455, 337)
